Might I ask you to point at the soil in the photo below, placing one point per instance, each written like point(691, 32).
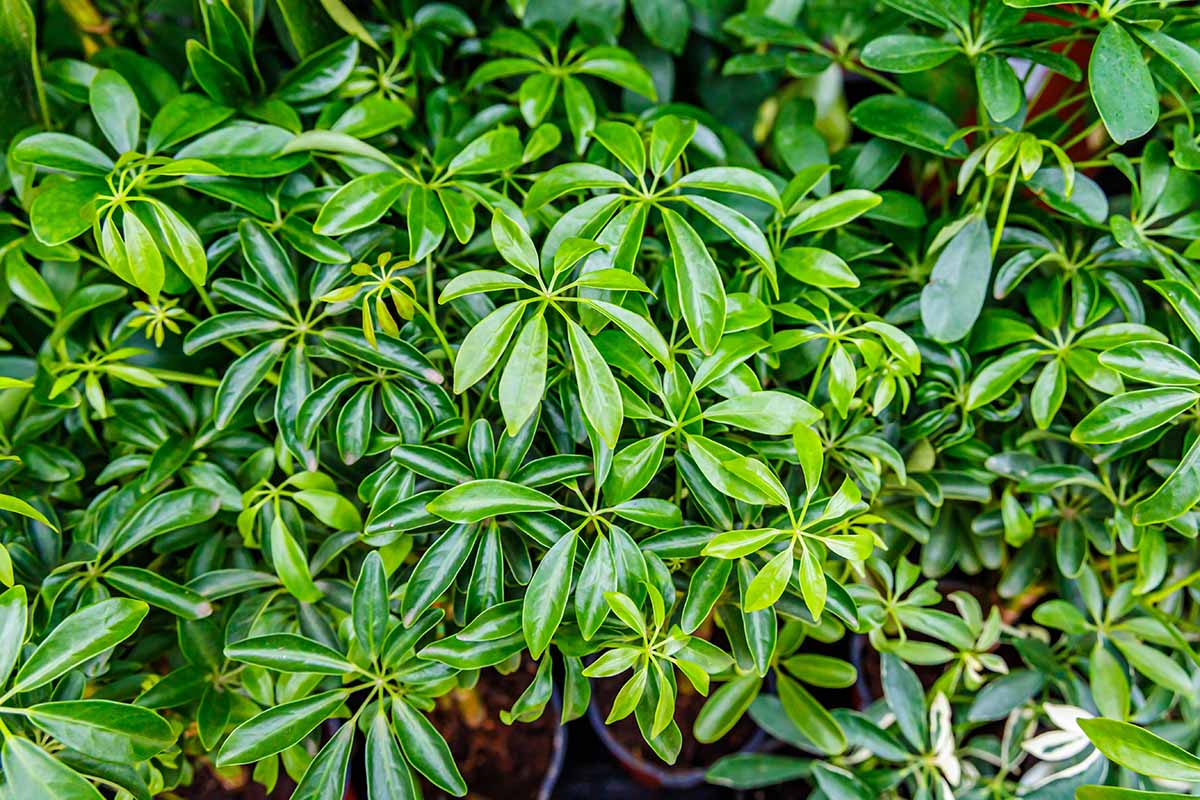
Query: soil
point(206, 786)
point(692, 753)
point(499, 762)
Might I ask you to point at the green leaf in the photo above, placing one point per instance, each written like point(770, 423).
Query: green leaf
point(105, 729)
point(514, 243)
point(571, 178)
point(902, 53)
point(269, 261)
point(483, 346)
point(477, 281)
point(999, 375)
point(319, 73)
point(359, 203)
point(1108, 682)
point(278, 728)
point(81, 636)
point(768, 586)
point(1141, 751)
point(546, 595)
point(725, 707)
point(13, 619)
point(665, 22)
point(637, 327)
point(744, 232)
point(288, 652)
point(388, 775)
point(769, 412)
point(999, 86)
point(811, 453)
point(1048, 392)
point(1181, 56)
point(496, 150)
point(1154, 664)
point(598, 392)
point(183, 243)
point(735, 544)
point(618, 66)
point(1113, 793)
point(833, 211)
point(817, 267)
point(1121, 84)
point(701, 292)
point(997, 699)
point(1178, 494)
point(839, 783)
point(27, 283)
point(426, 749)
point(817, 724)
point(218, 79)
point(1153, 362)
point(478, 500)
point(958, 284)
point(115, 108)
point(1183, 299)
point(291, 563)
point(63, 152)
point(331, 508)
point(41, 776)
point(1131, 414)
point(535, 97)
point(909, 121)
point(144, 261)
point(523, 381)
point(152, 588)
point(437, 568)
point(904, 695)
point(21, 82)
point(164, 513)
point(370, 605)
point(669, 137)
point(63, 209)
point(426, 222)
point(824, 671)
point(813, 584)
point(748, 771)
point(325, 778)
point(184, 116)
point(736, 180)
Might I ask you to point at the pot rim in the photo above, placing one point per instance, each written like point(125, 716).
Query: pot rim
point(666, 777)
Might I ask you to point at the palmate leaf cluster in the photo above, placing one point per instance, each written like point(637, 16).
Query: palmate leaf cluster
point(751, 351)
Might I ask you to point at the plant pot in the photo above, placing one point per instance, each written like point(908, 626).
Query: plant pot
point(866, 662)
point(623, 740)
point(499, 761)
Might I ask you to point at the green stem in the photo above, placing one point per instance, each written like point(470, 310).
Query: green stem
point(1004, 204)
point(183, 377)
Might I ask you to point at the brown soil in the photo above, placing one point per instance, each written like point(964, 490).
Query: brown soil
point(692, 753)
point(206, 786)
point(499, 762)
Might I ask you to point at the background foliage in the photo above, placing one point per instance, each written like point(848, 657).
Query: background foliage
point(350, 352)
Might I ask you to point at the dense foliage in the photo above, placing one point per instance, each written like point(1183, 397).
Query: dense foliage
point(752, 350)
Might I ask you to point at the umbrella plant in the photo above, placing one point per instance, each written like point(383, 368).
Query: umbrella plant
point(830, 369)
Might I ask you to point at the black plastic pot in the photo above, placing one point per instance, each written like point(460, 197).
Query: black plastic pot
point(657, 775)
point(863, 696)
point(559, 754)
